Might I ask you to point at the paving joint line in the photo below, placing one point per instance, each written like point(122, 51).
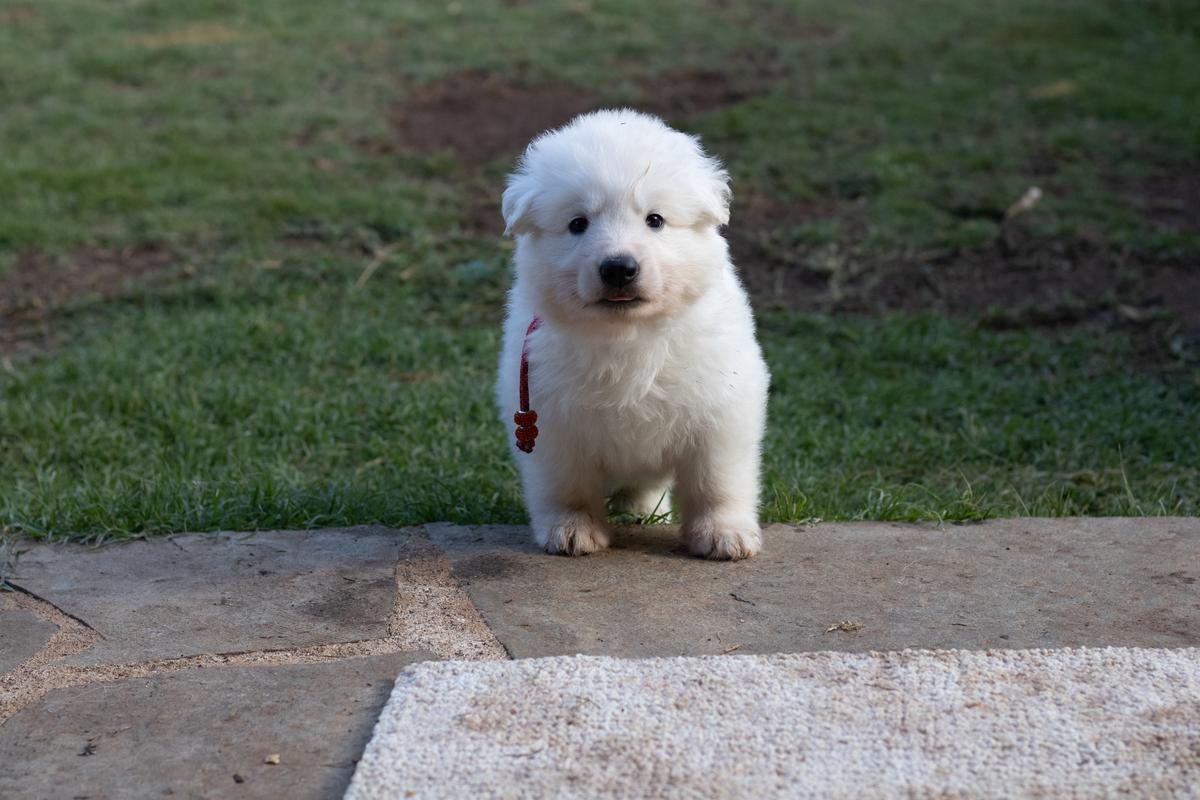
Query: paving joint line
point(430, 613)
point(38, 609)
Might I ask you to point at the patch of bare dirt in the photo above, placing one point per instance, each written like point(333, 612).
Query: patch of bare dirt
point(1048, 283)
point(1169, 200)
point(38, 284)
point(18, 15)
point(481, 116)
point(1019, 281)
point(781, 268)
point(679, 94)
point(786, 23)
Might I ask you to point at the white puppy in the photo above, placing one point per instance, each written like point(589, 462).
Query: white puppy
point(643, 368)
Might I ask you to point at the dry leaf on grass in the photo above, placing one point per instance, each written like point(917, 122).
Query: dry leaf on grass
point(1049, 91)
point(1027, 201)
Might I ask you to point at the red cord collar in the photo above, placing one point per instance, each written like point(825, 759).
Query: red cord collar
point(525, 418)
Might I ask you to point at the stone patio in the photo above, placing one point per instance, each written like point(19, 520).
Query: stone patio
point(181, 666)
point(201, 733)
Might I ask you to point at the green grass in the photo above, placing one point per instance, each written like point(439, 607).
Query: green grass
point(260, 388)
point(936, 106)
point(257, 403)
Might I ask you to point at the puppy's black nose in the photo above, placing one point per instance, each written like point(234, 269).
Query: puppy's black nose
point(617, 272)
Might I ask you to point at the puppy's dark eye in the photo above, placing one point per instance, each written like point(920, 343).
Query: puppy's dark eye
point(577, 225)
point(655, 221)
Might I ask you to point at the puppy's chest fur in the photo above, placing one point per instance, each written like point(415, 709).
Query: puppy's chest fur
point(631, 405)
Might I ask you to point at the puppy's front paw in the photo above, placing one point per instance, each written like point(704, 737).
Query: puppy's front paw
point(723, 542)
point(575, 534)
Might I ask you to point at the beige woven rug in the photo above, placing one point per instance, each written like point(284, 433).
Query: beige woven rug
point(1019, 723)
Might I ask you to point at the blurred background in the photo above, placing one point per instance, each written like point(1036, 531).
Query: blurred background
point(251, 271)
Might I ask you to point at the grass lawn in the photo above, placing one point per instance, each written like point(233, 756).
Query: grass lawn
point(251, 276)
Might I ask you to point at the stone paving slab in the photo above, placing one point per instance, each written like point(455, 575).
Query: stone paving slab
point(219, 593)
point(195, 733)
point(22, 635)
point(1022, 583)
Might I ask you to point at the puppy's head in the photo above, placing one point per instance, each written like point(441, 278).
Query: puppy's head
point(616, 218)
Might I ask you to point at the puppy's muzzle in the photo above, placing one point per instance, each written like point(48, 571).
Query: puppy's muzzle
point(618, 272)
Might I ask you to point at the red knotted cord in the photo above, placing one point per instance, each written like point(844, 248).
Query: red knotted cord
point(526, 428)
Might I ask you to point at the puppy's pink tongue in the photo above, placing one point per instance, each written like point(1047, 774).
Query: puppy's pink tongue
point(619, 298)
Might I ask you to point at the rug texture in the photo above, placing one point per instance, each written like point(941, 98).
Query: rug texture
point(1103, 722)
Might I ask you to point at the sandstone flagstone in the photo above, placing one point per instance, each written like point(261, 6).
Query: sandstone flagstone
point(201, 733)
point(22, 635)
point(842, 586)
point(221, 593)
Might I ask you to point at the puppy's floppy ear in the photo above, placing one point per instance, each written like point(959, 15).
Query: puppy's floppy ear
point(715, 194)
point(517, 203)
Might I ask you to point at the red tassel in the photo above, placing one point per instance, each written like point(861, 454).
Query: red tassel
point(525, 418)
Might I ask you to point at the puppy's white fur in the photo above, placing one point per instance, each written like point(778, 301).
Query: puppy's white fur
point(632, 397)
